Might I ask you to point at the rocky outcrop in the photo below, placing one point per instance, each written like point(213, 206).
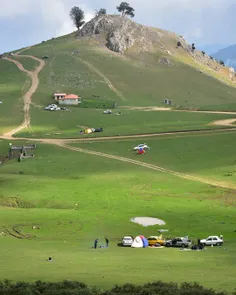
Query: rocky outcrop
point(122, 33)
point(165, 61)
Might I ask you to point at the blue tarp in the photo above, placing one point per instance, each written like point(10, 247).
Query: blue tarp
point(145, 242)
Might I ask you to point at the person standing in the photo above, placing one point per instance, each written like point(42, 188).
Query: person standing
point(107, 242)
point(95, 244)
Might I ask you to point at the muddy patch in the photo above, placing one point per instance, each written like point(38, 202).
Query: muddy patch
point(148, 221)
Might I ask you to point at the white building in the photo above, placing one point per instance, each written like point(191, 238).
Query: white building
point(69, 99)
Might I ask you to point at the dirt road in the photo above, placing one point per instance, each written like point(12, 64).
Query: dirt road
point(64, 142)
point(149, 166)
point(28, 95)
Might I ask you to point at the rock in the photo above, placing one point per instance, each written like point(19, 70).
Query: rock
point(231, 73)
point(165, 61)
point(121, 33)
point(119, 42)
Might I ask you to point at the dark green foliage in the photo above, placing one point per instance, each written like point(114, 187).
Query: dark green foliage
point(77, 15)
point(101, 11)
point(126, 9)
point(179, 44)
point(77, 288)
point(222, 63)
point(203, 52)
point(97, 104)
point(193, 47)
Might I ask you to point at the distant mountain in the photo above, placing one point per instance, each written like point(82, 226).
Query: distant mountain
point(228, 55)
point(212, 48)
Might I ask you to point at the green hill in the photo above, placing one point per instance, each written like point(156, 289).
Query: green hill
point(71, 192)
point(84, 64)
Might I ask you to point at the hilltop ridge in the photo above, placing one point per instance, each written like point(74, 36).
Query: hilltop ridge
point(121, 34)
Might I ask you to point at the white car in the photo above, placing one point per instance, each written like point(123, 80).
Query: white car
point(212, 240)
point(142, 145)
point(127, 241)
point(108, 112)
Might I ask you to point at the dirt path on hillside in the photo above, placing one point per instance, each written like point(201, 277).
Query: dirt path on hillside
point(108, 82)
point(64, 142)
point(149, 166)
point(226, 122)
point(28, 95)
point(153, 108)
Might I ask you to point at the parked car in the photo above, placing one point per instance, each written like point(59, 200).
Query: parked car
point(152, 240)
point(108, 112)
point(52, 107)
point(143, 146)
point(212, 240)
point(178, 242)
point(127, 241)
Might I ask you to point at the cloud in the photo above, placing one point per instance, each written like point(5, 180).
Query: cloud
point(207, 21)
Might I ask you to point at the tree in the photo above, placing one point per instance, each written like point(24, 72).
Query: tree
point(193, 47)
point(222, 63)
point(203, 52)
point(101, 11)
point(125, 9)
point(77, 15)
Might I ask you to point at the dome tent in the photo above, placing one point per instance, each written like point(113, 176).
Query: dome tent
point(140, 242)
point(145, 241)
point(137, 243)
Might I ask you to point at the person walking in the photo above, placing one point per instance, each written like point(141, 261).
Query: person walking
point(107, 242)
point(95, 244)
point(198, 242)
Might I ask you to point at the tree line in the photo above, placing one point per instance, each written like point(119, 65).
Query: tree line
point(77, 14)
point(77, 288)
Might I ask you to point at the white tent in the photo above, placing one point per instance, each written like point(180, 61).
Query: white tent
point(137, 243)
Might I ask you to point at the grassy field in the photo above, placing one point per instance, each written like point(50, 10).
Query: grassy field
point(208, 155)
point(13, 84)
point(76, 198)
point(69, 123)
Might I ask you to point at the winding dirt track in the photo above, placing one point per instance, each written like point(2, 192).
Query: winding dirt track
point(108, 82)
point(64, 142)
point(146, 165)
point(28, 95)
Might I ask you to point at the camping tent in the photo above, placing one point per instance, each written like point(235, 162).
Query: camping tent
point(87, 131)
point(140, 242)
point(145, 241)
point(137, 243)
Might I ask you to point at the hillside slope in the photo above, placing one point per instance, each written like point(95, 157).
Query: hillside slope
point(147, 68)
point(112, 59)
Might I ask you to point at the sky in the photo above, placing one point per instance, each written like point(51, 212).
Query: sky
point(207, 23)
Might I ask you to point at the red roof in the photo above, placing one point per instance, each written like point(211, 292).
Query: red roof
point(71, 96)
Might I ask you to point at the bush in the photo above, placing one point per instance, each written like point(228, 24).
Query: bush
point(77, 288)
point(203, 52)
point(222, 63)
point(179, 44)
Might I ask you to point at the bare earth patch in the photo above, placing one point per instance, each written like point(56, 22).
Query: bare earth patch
point(226, 122)
point(147, 221)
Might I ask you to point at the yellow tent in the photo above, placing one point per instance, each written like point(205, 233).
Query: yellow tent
point(87, 131)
